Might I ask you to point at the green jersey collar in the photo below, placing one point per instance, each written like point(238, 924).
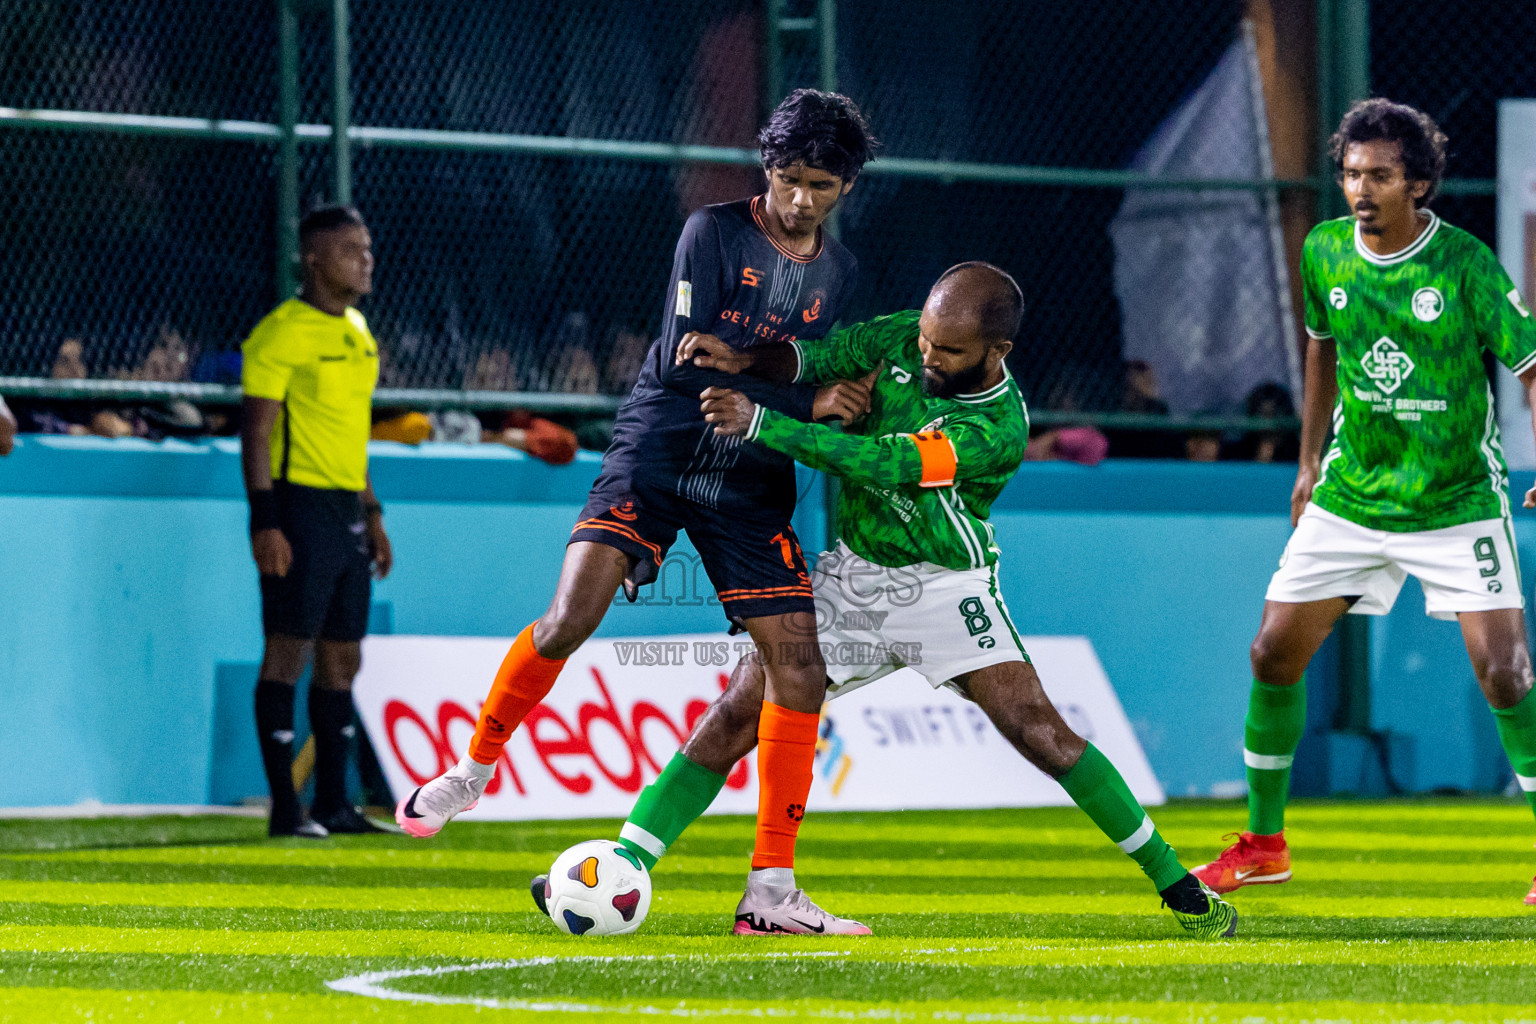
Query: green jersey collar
point(992, 393)
point(1402, 255)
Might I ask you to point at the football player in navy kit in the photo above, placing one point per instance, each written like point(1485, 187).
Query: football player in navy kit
point(753, 272)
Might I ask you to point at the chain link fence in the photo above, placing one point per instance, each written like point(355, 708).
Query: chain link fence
point(502, 268)
point(1456, 61)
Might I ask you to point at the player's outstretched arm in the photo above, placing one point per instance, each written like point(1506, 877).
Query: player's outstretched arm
point(779, 362)
point(846, 354)
point(934, 459)
point(1322, 392)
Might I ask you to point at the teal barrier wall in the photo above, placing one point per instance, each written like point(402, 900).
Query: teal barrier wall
point(127, 594)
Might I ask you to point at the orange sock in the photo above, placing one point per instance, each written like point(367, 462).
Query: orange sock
point(525, 677)
point(786, 753)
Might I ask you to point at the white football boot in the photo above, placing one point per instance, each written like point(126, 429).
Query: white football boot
point(428, 808)
point(794, 914)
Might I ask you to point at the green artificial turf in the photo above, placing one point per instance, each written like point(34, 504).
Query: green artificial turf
point(1399, 911)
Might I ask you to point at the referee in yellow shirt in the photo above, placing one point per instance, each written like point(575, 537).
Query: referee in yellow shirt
point(317, 531)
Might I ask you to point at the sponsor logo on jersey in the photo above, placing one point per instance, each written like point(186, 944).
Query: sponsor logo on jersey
point(1428, 304)
point(1387, 365)
point(684, 298)
point(902, 376)
point(751, 278)
point(1337, 299)
point(1513, 295)
point(814, 312)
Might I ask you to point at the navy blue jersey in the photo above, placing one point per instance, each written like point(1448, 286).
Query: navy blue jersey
point(731, 280)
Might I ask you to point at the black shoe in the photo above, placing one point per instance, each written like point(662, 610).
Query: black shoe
point(347, 821)
point(301, 828)
point(539, 887)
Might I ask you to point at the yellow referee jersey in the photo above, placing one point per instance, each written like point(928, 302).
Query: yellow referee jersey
point(323, 369)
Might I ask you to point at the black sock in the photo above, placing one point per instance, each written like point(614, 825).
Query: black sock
point(1186, 896)
point(330, 720)
point(274, 729)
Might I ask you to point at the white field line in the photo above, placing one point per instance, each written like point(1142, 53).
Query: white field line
point(97, 809)
point(372, 985)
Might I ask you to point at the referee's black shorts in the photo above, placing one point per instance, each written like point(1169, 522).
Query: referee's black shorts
point(329, 585)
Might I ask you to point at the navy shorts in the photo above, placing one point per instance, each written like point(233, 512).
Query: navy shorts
point(328, 588)
point(754, 563)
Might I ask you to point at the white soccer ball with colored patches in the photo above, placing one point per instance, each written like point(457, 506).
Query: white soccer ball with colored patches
point(598, 888)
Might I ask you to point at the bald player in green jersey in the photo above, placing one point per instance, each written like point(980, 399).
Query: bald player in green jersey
point(913, 580)
point(1400, 308)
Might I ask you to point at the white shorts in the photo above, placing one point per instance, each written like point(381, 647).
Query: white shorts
point(872, 620)
point(1466, 568)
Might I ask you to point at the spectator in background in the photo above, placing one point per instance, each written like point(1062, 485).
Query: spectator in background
point(7, 429)
point(1203, 446)
point(69, 361)
point(1140, 395)
point(1085, 445)
point(316, 527)
point(493, 371)
point(68, 417)
point(169, 359)
point(624, 360)
point(1267, 401)
point(541, 438)
point(575, 373)
point(73, 418)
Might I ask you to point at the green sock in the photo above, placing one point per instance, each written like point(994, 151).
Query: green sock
point(667, 806)
point(1276, 717)
point(1517, 731)
point(1096, 786)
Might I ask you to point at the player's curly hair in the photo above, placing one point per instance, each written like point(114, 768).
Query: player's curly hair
point(1418, 138)
point(819, 129)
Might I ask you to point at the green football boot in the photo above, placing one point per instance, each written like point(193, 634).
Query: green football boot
point(1218, 921)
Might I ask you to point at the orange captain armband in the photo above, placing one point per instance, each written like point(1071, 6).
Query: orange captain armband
point(937, 453)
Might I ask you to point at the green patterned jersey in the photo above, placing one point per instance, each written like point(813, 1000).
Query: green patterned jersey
point(919, 473)
point(1416, 443)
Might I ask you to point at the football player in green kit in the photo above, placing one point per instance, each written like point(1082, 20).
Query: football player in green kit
point(1400, 308)
point(913, 580)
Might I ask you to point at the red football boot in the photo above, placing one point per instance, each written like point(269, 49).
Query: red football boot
point(1252, 860)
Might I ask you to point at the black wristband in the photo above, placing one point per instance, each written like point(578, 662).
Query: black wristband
point(264, 510)
point(373, 508)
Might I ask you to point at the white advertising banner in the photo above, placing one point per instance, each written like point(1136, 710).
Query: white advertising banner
point(622, 708)
point(1517, 251)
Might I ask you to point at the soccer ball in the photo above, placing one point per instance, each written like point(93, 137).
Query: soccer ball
point(598, 888)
